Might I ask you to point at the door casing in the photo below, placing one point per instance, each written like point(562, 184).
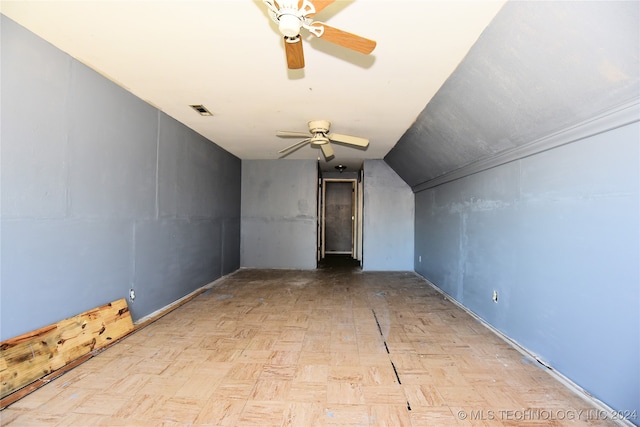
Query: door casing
point(356, 217)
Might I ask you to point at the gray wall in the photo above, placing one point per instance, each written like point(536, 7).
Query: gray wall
point(525, 166)
point(557, 235)
point(279, 214)
point(101, 193)
point(388, 227)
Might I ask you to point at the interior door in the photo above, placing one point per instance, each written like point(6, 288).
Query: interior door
point(338, 216)
point(319, 244)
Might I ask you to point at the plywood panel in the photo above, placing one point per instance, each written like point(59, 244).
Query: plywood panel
point(28, 357)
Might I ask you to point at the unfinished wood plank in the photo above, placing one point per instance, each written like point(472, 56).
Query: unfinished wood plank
point(29, 357)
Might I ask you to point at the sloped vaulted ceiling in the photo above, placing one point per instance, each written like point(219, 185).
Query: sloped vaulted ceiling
point(539, 68)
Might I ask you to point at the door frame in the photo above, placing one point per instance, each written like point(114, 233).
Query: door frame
point(356, 216)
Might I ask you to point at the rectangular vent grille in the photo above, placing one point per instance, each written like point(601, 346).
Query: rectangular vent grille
point(201, 109)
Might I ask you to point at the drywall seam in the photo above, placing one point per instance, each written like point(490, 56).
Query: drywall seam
point(157, 204)
point(610, 119)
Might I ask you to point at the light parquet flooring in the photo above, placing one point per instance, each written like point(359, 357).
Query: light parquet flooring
point(329, 347)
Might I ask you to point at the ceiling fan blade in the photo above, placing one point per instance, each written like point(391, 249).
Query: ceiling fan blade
point(345, 39)
point(294, 52)
point(327, 150)
point(295, 146)
point(272, 5)
point(320, 5)
point(347, 139)
point(291, 134)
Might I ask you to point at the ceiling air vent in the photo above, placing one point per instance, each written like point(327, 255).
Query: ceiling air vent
point(202, 110)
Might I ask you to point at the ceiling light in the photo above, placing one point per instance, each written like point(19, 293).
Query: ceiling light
point(201, 109)
point(341, 168)
point(289, 25)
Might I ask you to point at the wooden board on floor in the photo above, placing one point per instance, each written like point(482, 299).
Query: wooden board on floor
point(30, 356)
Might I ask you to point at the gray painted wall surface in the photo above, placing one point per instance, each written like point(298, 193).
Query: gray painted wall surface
point(538, 68)
point(388, 228)
point(279, 215)
point(557, 235)
point(101, 193)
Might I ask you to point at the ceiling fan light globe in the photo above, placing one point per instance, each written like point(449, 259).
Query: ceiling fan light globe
point(289, 25)
point(319, 139)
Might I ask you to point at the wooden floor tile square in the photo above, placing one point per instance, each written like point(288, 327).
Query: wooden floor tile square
point(102, 404)
point(278, 372)
point(303, 414)
point(346, 373)
point(311, 373)
point(389, 415)
point(346, 415)
point(423, 396)
point(64, 402)
point(262, 414)
point(308, 392)
point(384, 395)
point(178, 410)
point(220, 412)
point(347, 393)
point(233, 389)
point(200, 385)
point(140, 406)
point(244, 371)
point(270, 390)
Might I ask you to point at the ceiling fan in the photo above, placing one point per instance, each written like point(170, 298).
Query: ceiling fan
point(320, 137)
point(293, 15)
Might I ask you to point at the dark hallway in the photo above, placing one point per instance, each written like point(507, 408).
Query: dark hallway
point(339, 262)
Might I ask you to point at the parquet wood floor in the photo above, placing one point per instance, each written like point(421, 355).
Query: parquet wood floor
point(330, 347)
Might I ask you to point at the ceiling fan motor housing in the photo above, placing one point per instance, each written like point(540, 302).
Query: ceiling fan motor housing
point(288, 17)
point(319, 126)
point(320, 138)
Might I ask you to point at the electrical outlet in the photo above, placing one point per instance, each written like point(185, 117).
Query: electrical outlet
point(132, 294)
point(495, 296)
point(419, 258)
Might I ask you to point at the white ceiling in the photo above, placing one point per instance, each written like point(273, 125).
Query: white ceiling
point(228, 56)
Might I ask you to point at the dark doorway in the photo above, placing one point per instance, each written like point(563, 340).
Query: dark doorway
point(339, 262)
point(338, 219)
